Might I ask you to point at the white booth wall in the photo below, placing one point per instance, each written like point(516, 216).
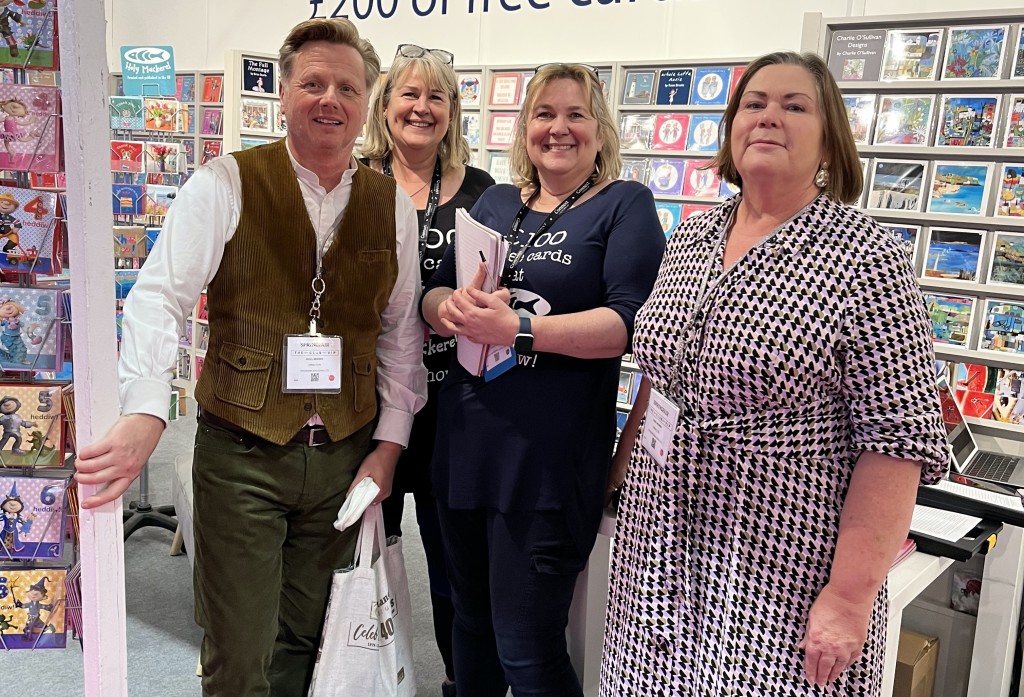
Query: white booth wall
point(527, 32)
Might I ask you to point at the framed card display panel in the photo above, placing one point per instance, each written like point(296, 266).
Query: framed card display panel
point(252, 100)
point(965, 159)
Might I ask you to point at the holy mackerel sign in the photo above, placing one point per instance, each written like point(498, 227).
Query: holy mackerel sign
point(148, 71)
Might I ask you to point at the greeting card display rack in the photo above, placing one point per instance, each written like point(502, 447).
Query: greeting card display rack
point(933, 100)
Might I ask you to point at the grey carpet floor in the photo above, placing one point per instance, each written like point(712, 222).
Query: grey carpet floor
point(163, 641)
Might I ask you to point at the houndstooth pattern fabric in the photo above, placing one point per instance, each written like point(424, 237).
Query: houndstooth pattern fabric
point(812, 348)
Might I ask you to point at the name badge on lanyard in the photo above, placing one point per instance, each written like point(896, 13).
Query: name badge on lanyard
point(311, 362)
point(660, 426)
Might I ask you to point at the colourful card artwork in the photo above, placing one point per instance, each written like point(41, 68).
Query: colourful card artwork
point(737, 73)
point(162, 114)
point(634, 169)
point(503, 129)
point(953, 254)
point(505, 89)
point(674, 86)
point(32, 509)
point(30, 129)
point(1017, 54)
point(710, 87)
point(280, 123)
point(726, 189)
point(967, 120)
point(903, 119)
point(896, 185)
point(907, 236)
point(30, 334)
point(258, 76)
point(960, 188)
point(255, 115)
point(159, 199)
point(163, 156)
point(211, 121)
point(27, 230)
point(213, 86)
point(951, 318)
point(188, 149)
point(126, 113)
point(667, 177)
point(975, 53)
point(1007, 259)
point(670, 132)
point(1004, 327)
point(669, 215)
point(211, 150)
point(692, 209)
point(128, 199)
point(125, 156)
point(860, 110)
point(1013, 136)
point(1010, 196)
point(186, 85)
point(703, 135)
point(638, 87)
point(911, 54)
point(32, 607)
point(470, 88)
point(636, 131)
point(28, 33)
point(500, 168)
point(700, 180)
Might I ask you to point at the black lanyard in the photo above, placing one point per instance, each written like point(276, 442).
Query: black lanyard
point(515, 256)
point(432, 200)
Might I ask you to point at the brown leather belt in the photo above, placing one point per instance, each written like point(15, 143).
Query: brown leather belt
point(307, 435)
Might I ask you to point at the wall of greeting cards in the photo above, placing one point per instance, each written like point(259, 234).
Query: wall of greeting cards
point(37, 570)
point(936, 103)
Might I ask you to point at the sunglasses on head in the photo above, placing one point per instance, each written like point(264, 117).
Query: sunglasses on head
point(567, 65)
point(414, 51)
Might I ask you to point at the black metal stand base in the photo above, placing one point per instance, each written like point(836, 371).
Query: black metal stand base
point(143, 515)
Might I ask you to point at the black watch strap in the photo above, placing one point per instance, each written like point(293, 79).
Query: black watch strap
point(524, 339)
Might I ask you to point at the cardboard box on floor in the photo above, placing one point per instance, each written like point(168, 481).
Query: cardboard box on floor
point(916, 659)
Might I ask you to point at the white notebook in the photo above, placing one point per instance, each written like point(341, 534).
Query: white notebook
point(474, 243)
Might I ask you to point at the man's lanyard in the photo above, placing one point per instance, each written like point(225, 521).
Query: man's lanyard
point(432, 200)
point(515, 234)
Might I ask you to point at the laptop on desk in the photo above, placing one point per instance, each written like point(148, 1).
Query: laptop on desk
point(968, 459)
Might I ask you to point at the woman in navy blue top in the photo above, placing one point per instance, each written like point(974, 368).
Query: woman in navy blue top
point(521, 461)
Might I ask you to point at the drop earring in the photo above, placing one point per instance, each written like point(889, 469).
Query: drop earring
point(821, 178)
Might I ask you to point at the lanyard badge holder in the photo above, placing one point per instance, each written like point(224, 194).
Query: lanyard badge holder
point(312, 361)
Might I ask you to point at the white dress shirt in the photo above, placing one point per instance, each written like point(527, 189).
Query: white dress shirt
point(187, 255)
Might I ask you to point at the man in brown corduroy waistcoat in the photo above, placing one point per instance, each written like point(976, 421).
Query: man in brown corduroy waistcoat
point(313, 371)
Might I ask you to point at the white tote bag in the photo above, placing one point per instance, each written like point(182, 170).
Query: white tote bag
point(366, 649)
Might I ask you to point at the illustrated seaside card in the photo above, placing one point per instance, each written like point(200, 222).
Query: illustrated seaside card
point(959, 187)
point(954, 255)
point(126, 113)
point(255, 115)
point(907, 236)
point(470, 89)
point(30, 128)
point(669, 215)
point(258, 76)
point(856, 54)
point(967, 120)
point(975, 53)
point(280, 122)
point(1007, 261)
point(636, 131)
point(634, 169)
point(710, 86)
point(503, 129)
point(638, 87)
point(163, 156)
point(125, 156)
point(500, 168)
point(30, 336)
point(860, 111)
point(27, 227)
point(1004, 327)
point(505, 89)
point(896, 185)
point(1013, 136)
point(1010, 196)
point(471, 129)
point(670, 132)
point(28, 33)
point(1017, 54)
point(704, 132)
point(700, 179)
point(903, 119)
point(951, 318)
point(674, 86)
point(911, 55)
point(32, 608)
point(32, 513)
point(667, 177)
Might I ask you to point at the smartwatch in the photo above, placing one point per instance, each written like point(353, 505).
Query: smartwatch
point(524, 339)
